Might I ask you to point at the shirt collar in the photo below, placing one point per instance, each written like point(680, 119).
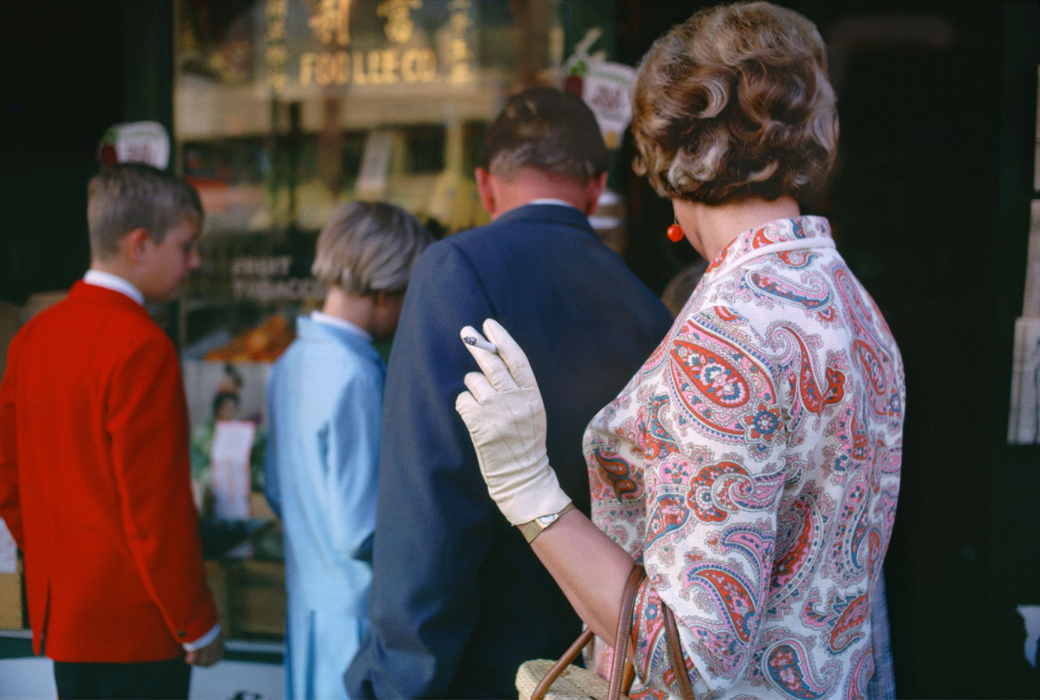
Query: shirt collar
point(336, 322)
point(801, 229)
point(554, 202)
point(555, 214)
point(99, 278)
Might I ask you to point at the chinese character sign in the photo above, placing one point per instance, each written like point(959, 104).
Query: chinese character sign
point(331, 23)
point(399, 24)
point(361, 43)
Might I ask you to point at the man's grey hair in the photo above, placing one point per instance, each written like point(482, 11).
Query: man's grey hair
point(369, 247)
point(547, 130)
point(127, 196)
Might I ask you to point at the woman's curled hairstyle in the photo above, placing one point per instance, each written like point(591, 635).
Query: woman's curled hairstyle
point(735, 103)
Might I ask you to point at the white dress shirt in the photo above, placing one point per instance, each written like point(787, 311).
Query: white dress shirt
point(116, 283)
point(550, 200)
point(337, 322)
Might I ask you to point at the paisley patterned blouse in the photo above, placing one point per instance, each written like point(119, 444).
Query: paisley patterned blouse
point(752, 465)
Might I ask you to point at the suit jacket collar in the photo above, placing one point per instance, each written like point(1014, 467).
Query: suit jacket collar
point(550, 214)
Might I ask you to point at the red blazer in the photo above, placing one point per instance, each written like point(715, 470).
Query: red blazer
point(95, 483)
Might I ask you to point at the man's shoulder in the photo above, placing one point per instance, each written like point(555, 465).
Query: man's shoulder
point(465, 243)
point(518, 234)
point(447, 259)
point(87, 322)
point(522, 220)
point(73, 340)
point(134, 331)
point(121, 331)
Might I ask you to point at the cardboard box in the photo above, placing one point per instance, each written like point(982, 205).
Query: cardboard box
point(13, 615)
point(250, 596)
point(259, 508)
point(216, 576)
point(258, 607)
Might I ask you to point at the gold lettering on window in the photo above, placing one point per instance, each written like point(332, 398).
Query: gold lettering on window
point(419, 66)
point(325, 68)
point(359, 69)
point(460, 69)
point(399, 25)
point(276, 56)
point(278, 81)
point(306, 69)
point(276, 29)
point(342, 67)
point(387, 66)
point(391, 59)
point(331, 22)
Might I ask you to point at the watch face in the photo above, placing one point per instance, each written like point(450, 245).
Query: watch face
point(546, 520)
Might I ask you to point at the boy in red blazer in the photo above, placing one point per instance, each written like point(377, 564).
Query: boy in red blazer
point(94, 472)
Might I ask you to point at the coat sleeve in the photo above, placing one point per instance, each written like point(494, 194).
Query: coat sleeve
point(147, 423)
point(711, 482)
point(434, 517)
point(10, 501)
point(352, 461)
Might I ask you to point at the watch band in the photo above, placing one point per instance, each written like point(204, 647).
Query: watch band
point(535, 527)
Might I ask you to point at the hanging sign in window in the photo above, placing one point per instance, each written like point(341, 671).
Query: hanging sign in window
point(323, 43)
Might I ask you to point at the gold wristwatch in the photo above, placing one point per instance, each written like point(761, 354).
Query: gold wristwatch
point(536, 526)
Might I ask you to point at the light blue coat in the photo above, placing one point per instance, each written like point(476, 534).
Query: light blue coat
point(324, 406)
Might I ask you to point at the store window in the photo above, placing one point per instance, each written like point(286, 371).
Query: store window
point(286, 109)
point(283, 111)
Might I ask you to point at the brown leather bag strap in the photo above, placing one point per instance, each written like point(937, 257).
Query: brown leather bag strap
point(622, 673)
point(624, 631)
point(629, 678)
point(566, 660)
point(675, 652)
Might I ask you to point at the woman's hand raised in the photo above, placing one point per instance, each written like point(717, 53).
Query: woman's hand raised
point(504, 414)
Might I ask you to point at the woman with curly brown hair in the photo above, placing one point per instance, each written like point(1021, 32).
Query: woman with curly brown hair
point(752, 464)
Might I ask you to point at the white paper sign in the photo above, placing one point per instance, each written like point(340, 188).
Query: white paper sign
point(607, 91)
point(229, 461)
point(1024, 419)
point(375, 163)
point(142, 142)
point(1024, 416)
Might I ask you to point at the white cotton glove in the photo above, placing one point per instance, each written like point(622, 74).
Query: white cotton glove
point(505, 417)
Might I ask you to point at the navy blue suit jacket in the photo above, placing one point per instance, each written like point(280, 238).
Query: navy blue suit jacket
point(459, 601)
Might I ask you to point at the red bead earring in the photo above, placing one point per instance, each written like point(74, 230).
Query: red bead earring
point(675, 233)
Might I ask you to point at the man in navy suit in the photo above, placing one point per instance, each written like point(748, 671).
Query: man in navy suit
point(458, 600)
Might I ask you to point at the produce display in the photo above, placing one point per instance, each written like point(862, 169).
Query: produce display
point(261, 344)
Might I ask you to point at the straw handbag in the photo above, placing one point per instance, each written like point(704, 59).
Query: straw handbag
point(543, 679)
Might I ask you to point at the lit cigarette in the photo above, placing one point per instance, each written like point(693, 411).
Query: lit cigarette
point(480, 343)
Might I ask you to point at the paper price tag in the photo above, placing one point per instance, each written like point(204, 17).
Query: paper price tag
point(375, 163)
point(229, 460)
point(136, 142)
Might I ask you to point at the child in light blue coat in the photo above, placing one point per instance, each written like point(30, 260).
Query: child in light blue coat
point(324, 401)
